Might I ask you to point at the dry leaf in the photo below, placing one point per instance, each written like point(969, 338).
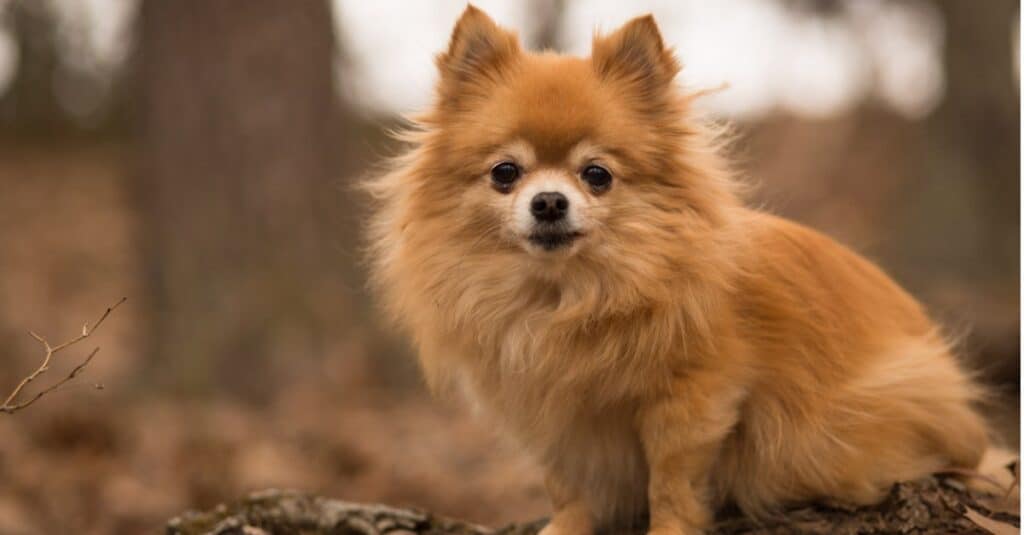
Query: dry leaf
point(992, 526)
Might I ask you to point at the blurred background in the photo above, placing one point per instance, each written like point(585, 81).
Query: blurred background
point(198, 157)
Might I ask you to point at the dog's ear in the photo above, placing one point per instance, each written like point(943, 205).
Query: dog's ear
point(478, 47)
point(635, 54)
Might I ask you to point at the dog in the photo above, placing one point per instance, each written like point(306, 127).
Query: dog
point(568, 248)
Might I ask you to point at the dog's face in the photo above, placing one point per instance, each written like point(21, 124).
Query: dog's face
point(573, 188)
point(557, 157)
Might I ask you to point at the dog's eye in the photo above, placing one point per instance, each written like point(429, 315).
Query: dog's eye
point(597, 177)
point(504, 175)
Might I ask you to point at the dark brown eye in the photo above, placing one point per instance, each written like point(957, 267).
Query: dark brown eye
point(504, 175)
point(597, 177)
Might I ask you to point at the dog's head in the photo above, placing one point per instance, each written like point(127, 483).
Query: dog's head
point(557, 160)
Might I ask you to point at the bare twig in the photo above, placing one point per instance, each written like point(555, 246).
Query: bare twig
point(11, 404)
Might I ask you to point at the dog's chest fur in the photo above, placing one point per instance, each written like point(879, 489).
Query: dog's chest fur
point(573, 409)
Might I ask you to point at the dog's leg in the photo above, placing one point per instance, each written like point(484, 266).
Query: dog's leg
point(572, 516)
point(682, 436)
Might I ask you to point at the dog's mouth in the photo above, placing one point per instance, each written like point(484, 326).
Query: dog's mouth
point(553, 239)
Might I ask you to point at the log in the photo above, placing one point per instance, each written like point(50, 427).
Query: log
point(932, 505)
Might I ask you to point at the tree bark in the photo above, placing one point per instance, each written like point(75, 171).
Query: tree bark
point(932, 505)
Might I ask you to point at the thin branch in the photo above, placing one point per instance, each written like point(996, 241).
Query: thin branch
point(11, 404)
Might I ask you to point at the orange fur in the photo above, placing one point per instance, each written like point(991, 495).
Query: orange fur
point(687, 351)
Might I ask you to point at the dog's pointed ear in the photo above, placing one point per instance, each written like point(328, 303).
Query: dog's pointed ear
point(635, 54)
point(478, 46)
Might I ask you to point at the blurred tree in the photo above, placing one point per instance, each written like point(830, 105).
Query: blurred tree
point(547, 18)
point(970, 178)
point(238, 159)
point(29, 106)
point(48, 99)
point(975, 133)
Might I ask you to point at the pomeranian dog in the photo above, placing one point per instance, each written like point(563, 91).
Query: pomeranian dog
point(567, 248)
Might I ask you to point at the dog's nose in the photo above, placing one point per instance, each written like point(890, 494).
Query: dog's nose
point(549, 206)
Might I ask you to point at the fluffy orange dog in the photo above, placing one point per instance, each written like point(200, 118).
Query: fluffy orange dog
point(565, 246)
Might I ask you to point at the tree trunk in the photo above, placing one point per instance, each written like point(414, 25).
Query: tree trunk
point(960, 221)
point(29, 106)
point(237, 165)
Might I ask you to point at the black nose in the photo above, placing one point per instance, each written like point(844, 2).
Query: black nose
point(549, 206)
